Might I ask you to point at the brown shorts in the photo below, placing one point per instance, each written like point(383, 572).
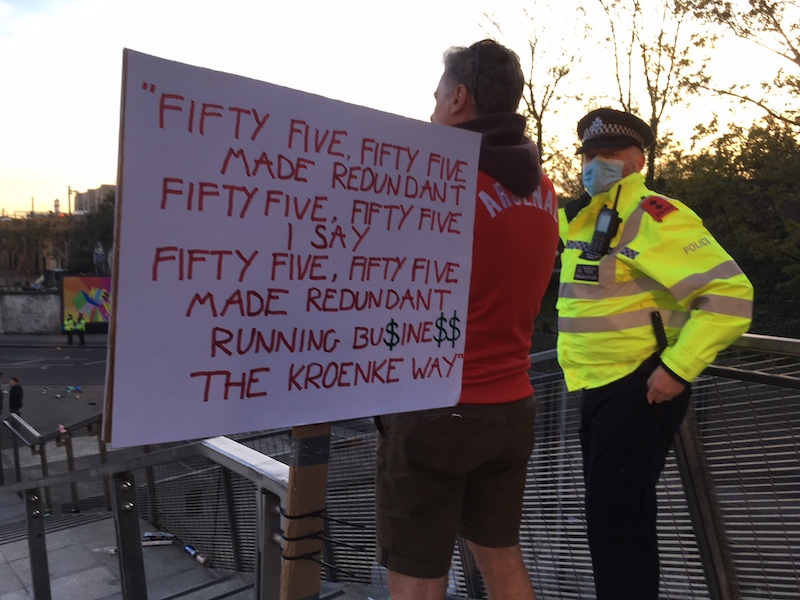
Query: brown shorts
point(449, 471)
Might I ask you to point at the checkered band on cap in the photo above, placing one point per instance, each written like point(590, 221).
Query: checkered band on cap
point(598, 129)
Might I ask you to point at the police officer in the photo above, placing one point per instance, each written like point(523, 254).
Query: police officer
point(647, 300)
point(69, 327)
point(80, 327)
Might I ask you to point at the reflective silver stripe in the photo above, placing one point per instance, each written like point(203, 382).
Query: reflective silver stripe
point(628, 320)
point(583, 291)
point(686, 286)
point(631, 229)
point(724, 305)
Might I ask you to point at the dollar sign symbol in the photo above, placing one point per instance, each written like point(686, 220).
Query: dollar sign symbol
point(394, 339)
point(454, 327)
point(443, 334)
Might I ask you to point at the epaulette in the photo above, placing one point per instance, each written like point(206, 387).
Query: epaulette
point(658, 207)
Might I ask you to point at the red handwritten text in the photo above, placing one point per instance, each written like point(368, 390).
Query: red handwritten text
point(244, 383)
point(197, 120)
point(345, 374)
point(249, 304)
point(280, 167)
point(368, 212)
point(322, 140)
point(186, 261)
point(240, 341)
point(438, 367)
point(341, 300)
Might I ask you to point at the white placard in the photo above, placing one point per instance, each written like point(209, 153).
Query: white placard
point(283, 258)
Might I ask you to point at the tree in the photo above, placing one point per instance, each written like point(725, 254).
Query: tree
point(746, 187)
point(651, 56)
point(770, 24)
point(97, 226)
point(552, 62)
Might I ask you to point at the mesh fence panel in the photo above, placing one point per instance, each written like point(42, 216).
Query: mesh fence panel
point(750, 433)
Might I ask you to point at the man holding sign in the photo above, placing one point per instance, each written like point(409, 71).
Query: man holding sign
point(462, 470)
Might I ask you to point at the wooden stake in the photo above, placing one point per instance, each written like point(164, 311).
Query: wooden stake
point(305, 502)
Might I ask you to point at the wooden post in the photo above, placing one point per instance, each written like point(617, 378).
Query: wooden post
point(305, 503)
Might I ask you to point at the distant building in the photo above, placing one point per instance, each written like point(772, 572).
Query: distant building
point(90, 200)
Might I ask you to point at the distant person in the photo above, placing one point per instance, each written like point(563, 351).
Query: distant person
point(462, 470)
point(15, 395)
point(69, 327)
point(647, 299)
point(80, 327)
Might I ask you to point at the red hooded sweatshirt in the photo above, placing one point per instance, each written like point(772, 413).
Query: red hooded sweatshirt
point(515, 243)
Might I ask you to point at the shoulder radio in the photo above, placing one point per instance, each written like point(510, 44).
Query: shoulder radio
point(605, 229)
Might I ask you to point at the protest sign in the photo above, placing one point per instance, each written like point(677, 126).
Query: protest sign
point(282, 258)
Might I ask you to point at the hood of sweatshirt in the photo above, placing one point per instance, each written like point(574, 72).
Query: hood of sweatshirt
point(507, 154)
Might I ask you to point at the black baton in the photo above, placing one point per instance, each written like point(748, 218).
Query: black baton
point(658, 327)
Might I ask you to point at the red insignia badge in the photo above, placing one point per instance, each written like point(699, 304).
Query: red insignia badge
point(658, 207)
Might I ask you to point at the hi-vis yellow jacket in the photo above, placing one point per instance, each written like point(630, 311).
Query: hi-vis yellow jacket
point(662, 259)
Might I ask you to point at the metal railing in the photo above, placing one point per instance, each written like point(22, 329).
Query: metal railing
point(269, 479)
point(729, 497)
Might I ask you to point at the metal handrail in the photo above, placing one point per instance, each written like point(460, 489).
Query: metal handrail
point(267, 473)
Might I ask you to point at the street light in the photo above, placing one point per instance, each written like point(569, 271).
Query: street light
point(70, 194)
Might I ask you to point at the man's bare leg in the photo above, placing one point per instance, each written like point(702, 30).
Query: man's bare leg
point(405, 587)
point(504, 572)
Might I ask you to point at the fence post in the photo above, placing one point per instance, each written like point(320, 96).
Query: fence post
point(103, 460)
point(268, 559)
point(129, 537)
point(37, 546)
point(305, 507)
point(705, 511)
point(230, 507)
point(17, 466)
point(152, 500)
point(2, 473)
point(48, 498)
point(472, 576)
point(73, 486)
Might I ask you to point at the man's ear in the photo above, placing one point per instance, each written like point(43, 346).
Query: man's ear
point(459, 100)
point(640, 161)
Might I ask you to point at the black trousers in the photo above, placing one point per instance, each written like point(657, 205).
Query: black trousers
point(625, 442)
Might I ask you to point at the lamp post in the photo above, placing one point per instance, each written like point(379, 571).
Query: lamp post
point(70, 194)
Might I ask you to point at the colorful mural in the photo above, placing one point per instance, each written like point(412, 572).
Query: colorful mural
point(89, 296)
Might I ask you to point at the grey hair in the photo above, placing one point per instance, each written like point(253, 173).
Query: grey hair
point(498, 83)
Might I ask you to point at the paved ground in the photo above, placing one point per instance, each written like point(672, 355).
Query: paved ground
point(36, 340)
point(48, 370)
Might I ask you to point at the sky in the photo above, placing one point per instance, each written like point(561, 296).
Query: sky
point(61, 63)
point(61, 68)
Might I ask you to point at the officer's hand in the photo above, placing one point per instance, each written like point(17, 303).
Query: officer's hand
point(661, 386)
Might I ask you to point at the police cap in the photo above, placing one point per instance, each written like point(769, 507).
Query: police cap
point(609, 128)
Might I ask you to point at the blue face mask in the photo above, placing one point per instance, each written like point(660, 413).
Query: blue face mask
point(601, 173)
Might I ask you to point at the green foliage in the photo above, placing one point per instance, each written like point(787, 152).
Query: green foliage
point(746, 187)
point(97, 226)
